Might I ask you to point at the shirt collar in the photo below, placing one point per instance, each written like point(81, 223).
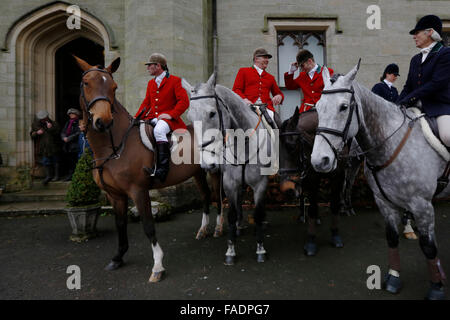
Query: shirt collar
point(390, 84)
point(429, 48)
point(258, 69)
point(160, 78)
point(313, 70)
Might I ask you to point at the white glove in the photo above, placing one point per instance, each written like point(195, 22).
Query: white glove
point(293, 68)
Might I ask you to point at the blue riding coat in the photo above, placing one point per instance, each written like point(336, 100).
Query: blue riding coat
point(429, 81)
point(383, 90)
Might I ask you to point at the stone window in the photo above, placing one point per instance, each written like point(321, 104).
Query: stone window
point(288, 45)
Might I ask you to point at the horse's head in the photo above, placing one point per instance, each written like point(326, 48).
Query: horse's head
point(208, 119)
point(339, 119)
point(98, 91)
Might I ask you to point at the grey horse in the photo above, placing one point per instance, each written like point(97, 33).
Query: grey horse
point(348, 109)
point(218, 109)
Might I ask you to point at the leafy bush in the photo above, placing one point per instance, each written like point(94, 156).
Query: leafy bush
point(83, 191)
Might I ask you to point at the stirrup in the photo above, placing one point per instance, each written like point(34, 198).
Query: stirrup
point(150, 171)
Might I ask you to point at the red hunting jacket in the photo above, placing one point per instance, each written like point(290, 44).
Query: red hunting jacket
point(249, 84)
point(170, 98)
point(311, 88)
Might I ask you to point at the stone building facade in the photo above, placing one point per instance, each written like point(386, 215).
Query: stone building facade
point(35, 41)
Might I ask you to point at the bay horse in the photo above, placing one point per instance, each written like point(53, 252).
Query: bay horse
point(120, 158)
point(402, 168)
point(297, 137)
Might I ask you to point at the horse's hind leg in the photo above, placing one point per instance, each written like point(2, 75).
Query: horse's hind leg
point(142, 200)
point(310, 247)
point(217, 197)
point(120, 205)
point(425, 225)
point(234, 194)
point(202, 185)
point(260, 213)
point(337, 184)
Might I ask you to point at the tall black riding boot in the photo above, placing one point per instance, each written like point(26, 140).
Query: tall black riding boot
point(162, 166)
point(48, 174)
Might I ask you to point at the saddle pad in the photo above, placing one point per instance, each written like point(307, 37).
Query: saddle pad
point(430, 137)
point(147, 141)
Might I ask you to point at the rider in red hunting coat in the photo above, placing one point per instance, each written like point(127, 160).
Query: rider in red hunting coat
point(310, 80)
point(164, 103)
point(254, 84)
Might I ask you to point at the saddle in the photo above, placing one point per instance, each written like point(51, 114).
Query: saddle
point(148, 138)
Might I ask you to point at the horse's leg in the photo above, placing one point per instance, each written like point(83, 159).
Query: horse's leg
point(425, 225)
point(142, 200)
point(120, 205)
point(234, 194)
point(202, 185)
point(310, 247)
point(391, 216)
point(351, 172)
point(260, 213)
point(216, 193)
point(337, 183)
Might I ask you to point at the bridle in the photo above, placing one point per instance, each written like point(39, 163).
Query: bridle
point(321, 131)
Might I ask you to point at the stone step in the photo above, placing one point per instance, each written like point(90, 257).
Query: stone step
point(56, 185)
point(34, 196)
point(37, 208)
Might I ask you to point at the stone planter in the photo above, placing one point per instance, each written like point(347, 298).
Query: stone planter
point(83, 222)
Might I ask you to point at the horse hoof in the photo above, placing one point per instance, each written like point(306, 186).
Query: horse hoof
point(436, 292)
point(201, 234)
point(218, 232)
point(310, 249)
point(336, 241)
point(114, 265)
point(261, 257)
point(157, 276)
point(392, 284)
point(410, 235)
point(229, 260)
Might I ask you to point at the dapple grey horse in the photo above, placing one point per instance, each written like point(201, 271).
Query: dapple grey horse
point(218, 109)
point(407, 181)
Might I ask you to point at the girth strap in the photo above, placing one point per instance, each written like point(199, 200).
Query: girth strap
point(443, 180)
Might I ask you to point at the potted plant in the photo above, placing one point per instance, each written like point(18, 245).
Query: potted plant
point(83, 200)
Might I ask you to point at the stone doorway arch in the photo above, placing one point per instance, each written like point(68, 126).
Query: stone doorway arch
point(32, 43)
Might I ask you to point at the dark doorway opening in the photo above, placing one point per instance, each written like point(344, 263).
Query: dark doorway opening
point(67, 81)
point(68, 74)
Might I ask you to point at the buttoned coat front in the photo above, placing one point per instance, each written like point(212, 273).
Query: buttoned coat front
point(250, 85)
point(311, 88)
point(429, 82)
point(170, 98)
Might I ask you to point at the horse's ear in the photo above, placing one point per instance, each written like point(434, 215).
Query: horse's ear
point(359, 63)
point(186, 85)
point(82, 64)
point(294, 119)
point(114, 65)
point(326, 77)
point(212, 80)
point(351, 75)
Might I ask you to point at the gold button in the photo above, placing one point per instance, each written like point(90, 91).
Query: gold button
point(156, 99)
point(312, 91)
point(157, 91)
point(156, 112)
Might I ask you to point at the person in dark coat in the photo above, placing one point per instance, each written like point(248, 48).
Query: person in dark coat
point(429, 75)
point(69, 135)
point(385, 88)
point(44, 132)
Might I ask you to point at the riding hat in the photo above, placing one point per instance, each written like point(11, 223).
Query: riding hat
point(261, 52)
point(303, 56)
point(157, 58)
point(392, 69)
point(74, 111)
point(42, 114)
point(427, 22)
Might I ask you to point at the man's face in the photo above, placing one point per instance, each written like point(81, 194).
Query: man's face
point(307, 65)
point(154, 69)
point(423, 38)
point(262, 62)
point(73, 116)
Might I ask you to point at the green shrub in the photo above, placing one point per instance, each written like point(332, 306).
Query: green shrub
point(83, 191)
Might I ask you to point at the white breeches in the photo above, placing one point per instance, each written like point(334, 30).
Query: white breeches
point(444, 128)
point(161, 129)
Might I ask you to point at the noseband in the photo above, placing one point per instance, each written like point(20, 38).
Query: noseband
point(344, 133)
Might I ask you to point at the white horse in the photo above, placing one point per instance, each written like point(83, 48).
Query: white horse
point(218, 109)
point(403, 175)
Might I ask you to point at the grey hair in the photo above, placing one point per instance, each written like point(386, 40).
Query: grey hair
point(434, 35)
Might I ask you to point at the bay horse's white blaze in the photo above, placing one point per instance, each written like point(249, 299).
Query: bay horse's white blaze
point(407, 183)
point(158, 255)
